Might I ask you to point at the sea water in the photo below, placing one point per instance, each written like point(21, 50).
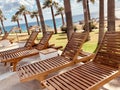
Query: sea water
point(49, 23)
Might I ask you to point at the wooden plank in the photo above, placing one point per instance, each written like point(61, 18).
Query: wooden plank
point(64, 83)
point(75, 81)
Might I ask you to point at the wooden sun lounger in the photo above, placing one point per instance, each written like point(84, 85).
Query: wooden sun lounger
point(94, 74)
point(31, 39)
point(41, 69)
point(14, 58)
point(44, 42)
point(28, 44)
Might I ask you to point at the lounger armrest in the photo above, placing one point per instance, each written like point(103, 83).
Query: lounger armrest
point(57, 47)
point(34, 45)
point(85, 56)
point(85, 53)
point(51, 45)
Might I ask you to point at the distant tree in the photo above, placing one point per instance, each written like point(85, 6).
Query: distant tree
point(50, 4)
point(60, 11)
point(2, 18)
point(86, 17)
point(23, 11)
point(89, 16)
point(111, 15)
point(35, 14)
point(41, 17)
point(15, 18)
point(68, 14)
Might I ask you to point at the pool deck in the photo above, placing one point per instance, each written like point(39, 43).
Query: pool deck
point(10, 81)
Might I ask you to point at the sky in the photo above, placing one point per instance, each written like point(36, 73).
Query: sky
point(10, 7)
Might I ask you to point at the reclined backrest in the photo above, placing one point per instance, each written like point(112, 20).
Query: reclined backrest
point(30, 41)
point(44, 40)
point(74, 45)
point(109, 50)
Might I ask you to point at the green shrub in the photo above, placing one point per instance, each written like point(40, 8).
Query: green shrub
point(93, 26)
point(64, 28)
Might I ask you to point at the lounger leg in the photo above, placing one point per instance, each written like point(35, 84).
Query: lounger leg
point(14, 66)
point(11, 64)
point(5, 64)
point(41, 79)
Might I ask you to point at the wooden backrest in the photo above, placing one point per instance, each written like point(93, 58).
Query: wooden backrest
point(109, 50)
point(44, 40)
point(30, 41)
point(74, 45)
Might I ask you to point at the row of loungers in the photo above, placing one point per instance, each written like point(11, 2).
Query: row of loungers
point(15, 55)
point(92, 75)
point(41, 69)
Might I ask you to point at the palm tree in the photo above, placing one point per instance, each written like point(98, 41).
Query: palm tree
point(90, 29)
point(68, 14)
point(101, 20)
point(15, 18)
point(60, 11)
point(41, 17)
point(2, 18)
point(86, 17)
point(35, 14)
point(111, 15)
point(50, 4)
point(23, 11)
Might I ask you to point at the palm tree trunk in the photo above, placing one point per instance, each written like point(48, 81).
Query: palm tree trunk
point(111, 15)
point(19, 25)
point(37, 20)
point(26, 23)
point(68, 14)
point(3, 26)
point(101, 23)
point(90, 29)
point(101, 20)
point(41, 17)
point(63, 22)
point(54, 23)
point(86, 17)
